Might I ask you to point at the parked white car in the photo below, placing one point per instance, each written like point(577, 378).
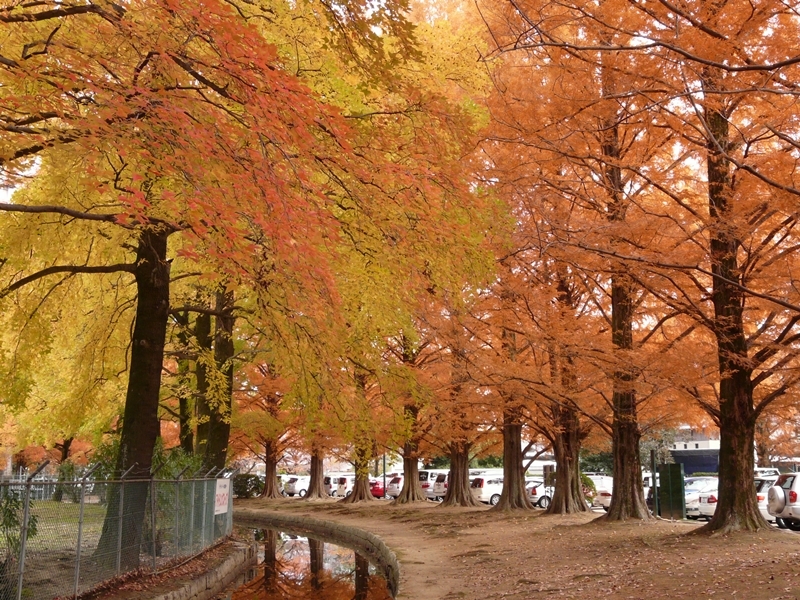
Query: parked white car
point(707, 505)
point(440, 485)
point(539, 494)
point(694, 486)
point(394, 487)
point(762, 485)
point(487, 490)
point(604, 485)
point(427, 480)
point(297, 485)
point(783, 500)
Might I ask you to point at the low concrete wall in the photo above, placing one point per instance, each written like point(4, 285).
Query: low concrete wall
point(216, 579)
point(365, 543)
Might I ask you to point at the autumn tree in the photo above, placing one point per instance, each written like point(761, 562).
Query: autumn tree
point(717, 84)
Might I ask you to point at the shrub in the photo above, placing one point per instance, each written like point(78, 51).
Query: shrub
point(247, 485)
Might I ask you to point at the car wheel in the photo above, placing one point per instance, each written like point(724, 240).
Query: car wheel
point(780, 523)
point(303, 493)
point(605, 508)
point(776, 500)
point(291, 495)
point(792, 524)
point(544, 502)
point(494, 499)
point(347, 495)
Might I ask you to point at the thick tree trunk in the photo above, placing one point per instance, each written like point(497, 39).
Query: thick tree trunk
point(737, 507)
point(628, 500)
point(568, 495)
point(272, 569)
point(514, 494)
point(219, 420)
point(140, 424)
point(316, 550)
point(271, 489)
point(63, 447)
point(362, 578)
point(361, 491)
point(458, 492)
point(316, 485)
point(412, 490)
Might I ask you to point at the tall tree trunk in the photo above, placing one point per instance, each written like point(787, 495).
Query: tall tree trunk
point(271, 489)
point(458, 492)
point(762, 445)
point(219, 423)
point(568, 495)
point(140, 424)
point(316, 485)
point(186, 435)
point(514, 494)
point(627, 501)
point(737, 508)
point(202, 334)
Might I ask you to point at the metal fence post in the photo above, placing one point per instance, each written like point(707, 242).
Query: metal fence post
point(205, 510)
point(229, 516)
point(23, 534)
point(119, 515)
point(80, 528)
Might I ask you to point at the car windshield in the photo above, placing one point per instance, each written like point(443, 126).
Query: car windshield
point(397, 480)
point(441, 478)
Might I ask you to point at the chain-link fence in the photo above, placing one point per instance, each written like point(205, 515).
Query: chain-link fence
point(61, 539)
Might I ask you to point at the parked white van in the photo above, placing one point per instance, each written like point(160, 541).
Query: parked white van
point(345, 485)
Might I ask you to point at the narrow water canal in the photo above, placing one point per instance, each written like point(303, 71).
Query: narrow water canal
point(292, 567)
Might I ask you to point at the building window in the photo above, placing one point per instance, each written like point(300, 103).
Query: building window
point(685, 446)
point(697, 445)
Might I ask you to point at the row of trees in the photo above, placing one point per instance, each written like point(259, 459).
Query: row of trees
point(285, 220)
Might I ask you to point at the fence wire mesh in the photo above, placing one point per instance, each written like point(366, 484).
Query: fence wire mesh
point(61, 539)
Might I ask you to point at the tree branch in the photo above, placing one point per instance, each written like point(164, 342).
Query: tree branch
point(72, 269)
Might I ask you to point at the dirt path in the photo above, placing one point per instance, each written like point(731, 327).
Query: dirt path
point(477, 554)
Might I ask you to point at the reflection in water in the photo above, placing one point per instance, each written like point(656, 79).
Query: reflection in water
point(300, 568)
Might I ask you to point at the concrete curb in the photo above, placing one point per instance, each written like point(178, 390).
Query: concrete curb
point(216, 579)
point(365, 543)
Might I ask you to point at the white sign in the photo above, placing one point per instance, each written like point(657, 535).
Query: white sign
point(222, 496)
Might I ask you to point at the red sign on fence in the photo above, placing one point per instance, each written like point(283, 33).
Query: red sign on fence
point(222, 497)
